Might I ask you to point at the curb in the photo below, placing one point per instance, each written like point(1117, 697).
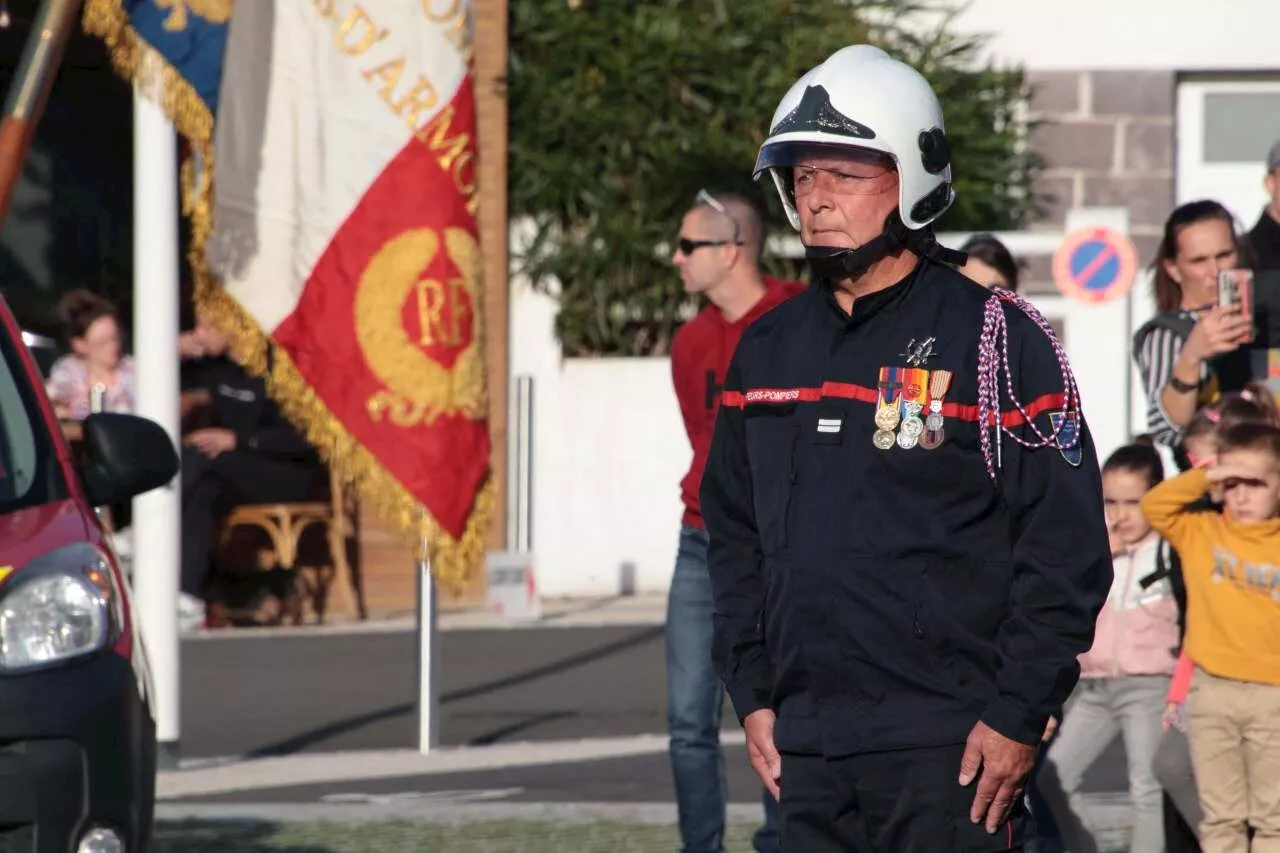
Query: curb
point(221, 776)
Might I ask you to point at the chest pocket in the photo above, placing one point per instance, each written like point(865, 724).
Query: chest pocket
point(772, 435)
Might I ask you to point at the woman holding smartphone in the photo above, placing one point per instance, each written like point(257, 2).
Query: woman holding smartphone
point(1180, 351)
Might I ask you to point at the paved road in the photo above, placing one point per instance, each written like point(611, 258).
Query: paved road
point(281, 695)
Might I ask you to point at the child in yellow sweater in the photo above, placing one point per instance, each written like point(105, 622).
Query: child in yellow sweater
point(1229, 562)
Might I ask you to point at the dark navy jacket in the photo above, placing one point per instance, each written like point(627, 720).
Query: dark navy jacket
point(889, 599)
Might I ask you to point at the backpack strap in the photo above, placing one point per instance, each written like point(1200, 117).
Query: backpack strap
point(1169, 565)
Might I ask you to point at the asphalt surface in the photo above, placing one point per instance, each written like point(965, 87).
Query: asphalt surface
point(280, 695)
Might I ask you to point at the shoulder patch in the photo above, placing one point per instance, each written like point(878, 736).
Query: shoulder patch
point(1066, 429)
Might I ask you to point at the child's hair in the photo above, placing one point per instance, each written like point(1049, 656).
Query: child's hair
point(1254, 404)
point(80, 309)
point(1140, 457)
point(1251, 436)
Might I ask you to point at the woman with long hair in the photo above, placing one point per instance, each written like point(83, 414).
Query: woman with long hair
point(1179, 353)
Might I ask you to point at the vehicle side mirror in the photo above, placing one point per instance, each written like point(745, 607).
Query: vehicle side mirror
point(125, 455)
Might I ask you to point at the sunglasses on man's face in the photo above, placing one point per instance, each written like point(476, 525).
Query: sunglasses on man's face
point(688, 247)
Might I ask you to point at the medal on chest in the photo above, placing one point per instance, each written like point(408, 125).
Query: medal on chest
point(887, 415)
point(914, 390)
point(934, 423)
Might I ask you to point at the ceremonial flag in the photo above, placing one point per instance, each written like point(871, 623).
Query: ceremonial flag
point(345, 241)
point(172, 51)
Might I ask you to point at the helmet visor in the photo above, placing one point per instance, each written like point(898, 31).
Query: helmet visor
point(857, 160)
point(802, 169)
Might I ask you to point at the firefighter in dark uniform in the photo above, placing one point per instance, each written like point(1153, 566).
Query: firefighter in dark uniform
point(907, 542)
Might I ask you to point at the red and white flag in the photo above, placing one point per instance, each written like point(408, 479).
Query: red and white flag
point(345, 230)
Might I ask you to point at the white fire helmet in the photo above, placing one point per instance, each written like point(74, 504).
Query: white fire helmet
point(861, 97)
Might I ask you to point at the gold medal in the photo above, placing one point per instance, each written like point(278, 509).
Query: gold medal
point(883, 439)
point(887, 416)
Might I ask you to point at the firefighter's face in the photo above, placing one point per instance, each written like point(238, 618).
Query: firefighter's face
point(844, 198)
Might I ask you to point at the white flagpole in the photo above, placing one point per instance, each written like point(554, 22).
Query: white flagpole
point(157, 514)
point(428, 652)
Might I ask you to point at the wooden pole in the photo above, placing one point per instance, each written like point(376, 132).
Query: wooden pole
point(29, 90)
point(491, 110)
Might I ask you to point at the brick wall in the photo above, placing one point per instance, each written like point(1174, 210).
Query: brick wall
point(1107, 140)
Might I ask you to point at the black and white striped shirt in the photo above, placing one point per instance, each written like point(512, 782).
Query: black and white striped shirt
point(1157, 355)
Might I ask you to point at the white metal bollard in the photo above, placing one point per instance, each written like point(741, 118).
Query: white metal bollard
point(428, 654)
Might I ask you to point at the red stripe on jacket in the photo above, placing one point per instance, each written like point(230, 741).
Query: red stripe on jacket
point(849, 391)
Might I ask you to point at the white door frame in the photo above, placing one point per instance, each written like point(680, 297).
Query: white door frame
point(1236, 185)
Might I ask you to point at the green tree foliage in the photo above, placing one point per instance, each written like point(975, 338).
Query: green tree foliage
point(621, 110)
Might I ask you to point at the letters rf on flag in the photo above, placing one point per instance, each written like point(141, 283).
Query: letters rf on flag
point(345, 228)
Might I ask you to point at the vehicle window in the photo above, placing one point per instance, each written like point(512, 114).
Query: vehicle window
point(29, 474)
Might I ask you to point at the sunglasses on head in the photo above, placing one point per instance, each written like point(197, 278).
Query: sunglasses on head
point(688, 247)
point(715, 204)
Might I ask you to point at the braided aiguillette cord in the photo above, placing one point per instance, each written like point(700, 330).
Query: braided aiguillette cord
point(993, 353)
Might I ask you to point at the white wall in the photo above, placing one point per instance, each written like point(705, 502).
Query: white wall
point(608, 454)
point(1185, 35)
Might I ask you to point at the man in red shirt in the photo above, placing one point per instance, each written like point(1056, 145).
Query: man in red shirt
point(718, 255)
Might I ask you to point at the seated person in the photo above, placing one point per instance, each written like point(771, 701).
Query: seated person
point(93, 332)
point(248, 454)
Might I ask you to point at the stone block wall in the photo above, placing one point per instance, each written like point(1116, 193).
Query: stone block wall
point(1107, 139)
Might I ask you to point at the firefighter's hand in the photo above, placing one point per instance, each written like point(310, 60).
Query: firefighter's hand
point(1001, 766)
point(765, 759)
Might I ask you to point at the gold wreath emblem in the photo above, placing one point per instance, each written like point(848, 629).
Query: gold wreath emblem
point(418, 388)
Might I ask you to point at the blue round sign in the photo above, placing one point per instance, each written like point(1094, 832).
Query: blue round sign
point(1094, 265)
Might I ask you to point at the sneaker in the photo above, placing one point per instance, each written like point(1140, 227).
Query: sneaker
point(191, 613)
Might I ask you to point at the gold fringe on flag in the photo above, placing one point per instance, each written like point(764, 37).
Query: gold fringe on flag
point(452, 561)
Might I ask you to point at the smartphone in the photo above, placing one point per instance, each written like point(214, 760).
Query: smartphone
point(1235, 290)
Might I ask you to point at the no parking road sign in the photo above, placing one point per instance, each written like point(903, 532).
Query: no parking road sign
point(1095, 265)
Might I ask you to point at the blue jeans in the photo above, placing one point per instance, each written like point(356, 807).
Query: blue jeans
point(695, 698)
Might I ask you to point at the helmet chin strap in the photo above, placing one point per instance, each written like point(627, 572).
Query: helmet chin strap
point(838, 264)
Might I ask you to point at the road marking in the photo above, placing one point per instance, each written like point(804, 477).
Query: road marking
point(476, 796)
